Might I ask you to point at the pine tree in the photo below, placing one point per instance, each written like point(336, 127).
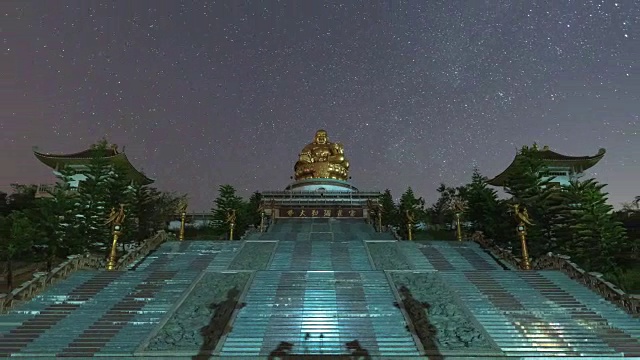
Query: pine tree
point(389, 209)
point(486, 212)
point(226, 201)
point(252, 210)
point(68, 229)
point(20, 233)
point(595, 237)
point(529, 186)
point(409, 202)
point(440, 212)
point(122, 191)
point(94, 198)
point(142, 197)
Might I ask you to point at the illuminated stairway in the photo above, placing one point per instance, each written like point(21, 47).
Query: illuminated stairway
point(333, 308)
point(318, 293)
point(528, 315)
point(318, 278)
point(100, 312)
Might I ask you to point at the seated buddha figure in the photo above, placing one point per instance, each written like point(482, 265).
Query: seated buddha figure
point(322, 159)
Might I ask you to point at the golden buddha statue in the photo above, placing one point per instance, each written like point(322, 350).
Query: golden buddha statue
point(322, 159)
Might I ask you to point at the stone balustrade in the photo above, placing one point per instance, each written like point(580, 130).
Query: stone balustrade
point(42, 280)
point(136, 253)
point(551, 261)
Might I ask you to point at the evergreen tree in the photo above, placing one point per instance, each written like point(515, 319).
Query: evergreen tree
point(409, 202)
point(389, 209)
point(94, 198)
point(440, 212)
point(530, 186)
point(22, 197)
point(253, 209)
point(19, 235)
point(228, 200)
point(138, 210)
point(594, 237)
point(486, 212)
point(68, 229)
point(122, 191)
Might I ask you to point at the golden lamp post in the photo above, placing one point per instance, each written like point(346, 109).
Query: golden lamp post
point(115, 220)
point(459, 206)
point(182, 208)
point(410, 222)
point(231, 220)
point(522, 217)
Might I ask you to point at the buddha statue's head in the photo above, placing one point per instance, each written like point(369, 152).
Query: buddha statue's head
point(321, 137)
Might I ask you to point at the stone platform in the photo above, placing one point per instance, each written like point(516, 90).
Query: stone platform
point(318, 287)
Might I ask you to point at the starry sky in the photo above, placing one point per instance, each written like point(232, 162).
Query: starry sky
point(204, 93)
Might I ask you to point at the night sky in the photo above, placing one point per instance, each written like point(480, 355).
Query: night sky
point(204, 93)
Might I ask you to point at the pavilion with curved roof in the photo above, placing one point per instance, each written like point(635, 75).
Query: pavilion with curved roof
point(563, 168)
point(81, 160)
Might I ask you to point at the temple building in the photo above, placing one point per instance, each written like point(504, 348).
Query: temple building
point(79, 162)
point(321, 187)
point(563, 168)
point(319, 283)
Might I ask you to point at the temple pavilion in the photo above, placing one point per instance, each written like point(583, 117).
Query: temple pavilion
point(80, 160)
point(563, 168)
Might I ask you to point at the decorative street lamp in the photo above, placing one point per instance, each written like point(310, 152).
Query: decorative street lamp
point(231, 220)
point(522, 217)
point(459, 206)
point(410, 222)
point(115, 220)
point(182, 208)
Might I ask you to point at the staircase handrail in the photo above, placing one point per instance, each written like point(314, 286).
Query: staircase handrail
point(141, 251)
point(41, 280)
point(592, 280)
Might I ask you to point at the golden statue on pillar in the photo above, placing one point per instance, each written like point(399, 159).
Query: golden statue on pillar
point(322, 159)
point(458, 206)
point(522, 217)
point(231, 220)
point(410, 221)
point(115, 220)
point(182, 210)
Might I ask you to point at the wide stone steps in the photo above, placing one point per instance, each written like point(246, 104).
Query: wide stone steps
point(100, 312)
point(457, 256)
point(319, 312)
point(524, 320)
point(320, 255)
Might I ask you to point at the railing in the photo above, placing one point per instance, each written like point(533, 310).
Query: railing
point(45, 190)
point(551, 261)
point(42, 280)
point(143, 250)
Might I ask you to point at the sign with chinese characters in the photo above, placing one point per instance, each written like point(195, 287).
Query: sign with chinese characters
point(321, 212)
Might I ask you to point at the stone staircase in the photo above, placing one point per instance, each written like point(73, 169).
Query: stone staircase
point(527, 314)
point(318, 288)
point(104, 313)
point(319, 292)
point(319, 312)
